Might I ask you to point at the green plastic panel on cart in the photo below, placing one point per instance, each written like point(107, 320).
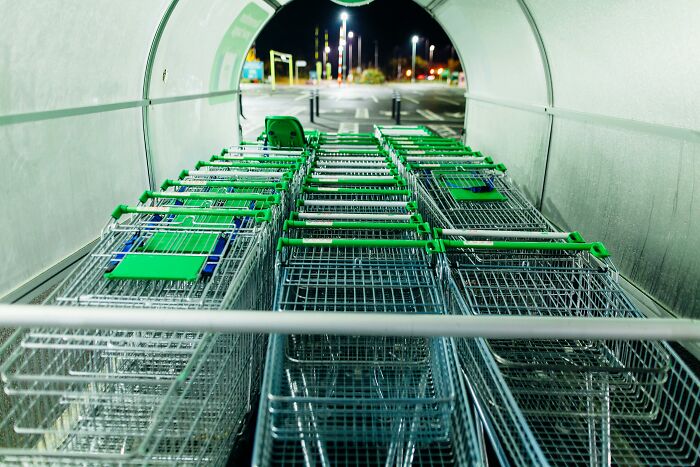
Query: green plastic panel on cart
point(158, 267)
point(464, 193)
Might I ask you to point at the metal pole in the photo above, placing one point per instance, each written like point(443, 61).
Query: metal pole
point(413, 62)
point(318, 108)
point(311, 107)
point(398, 109)
point(359, 54)
point(366, 324)
point(393, 104)
point(376, 55)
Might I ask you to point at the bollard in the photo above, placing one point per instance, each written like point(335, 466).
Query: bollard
point(398, 110)
point(393, 104)
point(311, 107)
point(318, 109)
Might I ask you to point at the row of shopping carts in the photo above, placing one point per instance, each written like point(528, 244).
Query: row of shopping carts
point(107, 397)
point(558, 402)
point(356, 242)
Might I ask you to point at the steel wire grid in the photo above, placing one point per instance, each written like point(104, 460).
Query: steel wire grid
point(560, 283)
point(308, 444)
point(368, 389)
point(247, 248)
point(582, 401)
point(140, 408)
point(440, 208)
point(358, 195)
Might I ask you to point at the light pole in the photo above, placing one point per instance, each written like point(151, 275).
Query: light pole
point(430, 60)
point(350, 36)
point(341, 46)
point(359, 54)
point(414, 41)
point(376, 55)
point(326, 51)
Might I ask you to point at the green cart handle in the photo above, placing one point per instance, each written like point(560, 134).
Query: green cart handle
point(410, 206)
point(430, 246)
point(279, 186)
point(209, 195)
point(397, 181)
point(263, 165)
point(285, 176)
point(446, 168)
point(421, 228)
point(571, 237)
point(351, 152)
point(414, 218)
point(404, 158)
point(260, 215)
point(289, 159)
point(597, 249)
point(356, 191)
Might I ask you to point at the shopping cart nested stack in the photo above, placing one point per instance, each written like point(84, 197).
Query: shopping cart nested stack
point(563, 402)
point(356, 244)
point(109, 397)
point(462, 188)
point(567, 402)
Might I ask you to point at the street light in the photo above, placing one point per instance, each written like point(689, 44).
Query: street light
point(430, 60)
point(341, 48)
point(414, 41)
point(350, 36)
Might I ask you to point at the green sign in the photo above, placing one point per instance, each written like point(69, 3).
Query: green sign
point(232, 50)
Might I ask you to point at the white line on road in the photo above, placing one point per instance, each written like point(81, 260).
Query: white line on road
point(301, 96)
point(409, 99)
point(445, 131)
point(458, 102)
point(429, 114)
point(338, 97)
point(361, 112)
point(347, 127)
point(374, 98)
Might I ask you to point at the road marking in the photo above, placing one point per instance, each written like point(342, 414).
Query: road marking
point(429, 114)
point(338, 97)
point(361, 112)
point(409, 99)
point(347, 127)
point(455, 114)
point(301, 96)
point(374, 98)
point(445, 131)
point(450, 101)
point(387, 113)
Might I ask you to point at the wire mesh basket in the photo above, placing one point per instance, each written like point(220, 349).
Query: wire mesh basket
point(404, 443)
point(125, 398)
point(569, 401)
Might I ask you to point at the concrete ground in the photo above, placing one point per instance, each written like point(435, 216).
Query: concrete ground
point(356, 107)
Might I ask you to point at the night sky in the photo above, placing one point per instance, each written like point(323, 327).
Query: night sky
point(390, 22)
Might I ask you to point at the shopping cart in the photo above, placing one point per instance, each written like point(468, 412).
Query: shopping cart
point(125, 397)
point(567, 402)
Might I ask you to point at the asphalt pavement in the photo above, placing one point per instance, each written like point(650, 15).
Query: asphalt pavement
point(355, 107)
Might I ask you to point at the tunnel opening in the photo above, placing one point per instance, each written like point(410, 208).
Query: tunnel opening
point(348, 64)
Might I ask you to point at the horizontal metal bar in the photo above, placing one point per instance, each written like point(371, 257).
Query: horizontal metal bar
point(669, 131)
point(353, 216)
point(367, 324)
point(101, 108)
point(505, 234)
